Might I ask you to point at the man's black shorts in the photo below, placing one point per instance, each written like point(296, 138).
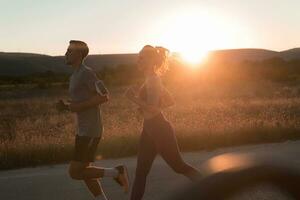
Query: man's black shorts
point(85, 148)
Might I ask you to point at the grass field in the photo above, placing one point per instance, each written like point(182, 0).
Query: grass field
point(208, 116)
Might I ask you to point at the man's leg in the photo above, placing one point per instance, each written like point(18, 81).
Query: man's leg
point(93, 185)
point(95, 188)
point(83, 171)
point(85, 151)
point(80, 168)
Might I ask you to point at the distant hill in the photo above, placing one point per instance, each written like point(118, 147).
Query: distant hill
point(107, 60)
point(290, 54)
point(20, 64)
point(237, 55)
point(110, 60)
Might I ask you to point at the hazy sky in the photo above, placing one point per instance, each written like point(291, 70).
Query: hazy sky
point(120, 26)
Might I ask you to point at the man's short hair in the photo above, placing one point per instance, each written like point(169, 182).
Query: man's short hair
point(82, 47)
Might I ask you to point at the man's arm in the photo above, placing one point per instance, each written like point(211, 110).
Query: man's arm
point(92, 102)
point(97, 89)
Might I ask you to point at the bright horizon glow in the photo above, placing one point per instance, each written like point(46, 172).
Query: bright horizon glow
point(193, 57)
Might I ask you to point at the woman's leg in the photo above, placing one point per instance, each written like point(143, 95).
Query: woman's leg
point(146, 155)
point(167, 147)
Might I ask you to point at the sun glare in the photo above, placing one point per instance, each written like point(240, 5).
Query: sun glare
point(193, 57)
point(194, 33)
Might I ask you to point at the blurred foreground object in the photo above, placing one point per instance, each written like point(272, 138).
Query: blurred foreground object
point(226, 175)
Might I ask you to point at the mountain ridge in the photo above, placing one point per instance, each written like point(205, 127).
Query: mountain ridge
point(20, 64)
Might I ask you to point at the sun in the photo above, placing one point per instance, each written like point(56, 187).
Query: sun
point(193, 33)
point(193, 57)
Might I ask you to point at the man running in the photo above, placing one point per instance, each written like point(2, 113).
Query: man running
point(87, 94)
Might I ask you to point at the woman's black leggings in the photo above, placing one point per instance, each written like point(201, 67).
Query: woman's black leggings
point(158, 138)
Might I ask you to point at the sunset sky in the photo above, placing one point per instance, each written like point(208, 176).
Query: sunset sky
point(124, 26)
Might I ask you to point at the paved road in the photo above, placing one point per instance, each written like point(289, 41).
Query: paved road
point(52, 182)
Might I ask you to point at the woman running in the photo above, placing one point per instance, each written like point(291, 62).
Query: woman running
point(158, 135)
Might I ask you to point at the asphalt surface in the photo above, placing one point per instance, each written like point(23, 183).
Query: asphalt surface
point(53, 183)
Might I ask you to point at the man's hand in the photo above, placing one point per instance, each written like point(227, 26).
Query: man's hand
point(102, 98)
point(61, 106)
point(73, 106)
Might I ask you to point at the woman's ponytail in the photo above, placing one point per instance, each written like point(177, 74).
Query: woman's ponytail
point(162, 59)
point(160, 56)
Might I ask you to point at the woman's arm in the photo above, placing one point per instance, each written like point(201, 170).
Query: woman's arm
point(166, 99)
point(131, 94)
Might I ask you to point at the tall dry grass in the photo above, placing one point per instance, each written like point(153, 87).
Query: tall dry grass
point(205, 116)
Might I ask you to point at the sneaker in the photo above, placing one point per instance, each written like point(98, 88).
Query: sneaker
point(122, 178)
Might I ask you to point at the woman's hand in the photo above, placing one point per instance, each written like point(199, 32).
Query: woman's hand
point(129, 93)
point(166, 99)
point(151, 109)
point(136, 89)
point(132, 92)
